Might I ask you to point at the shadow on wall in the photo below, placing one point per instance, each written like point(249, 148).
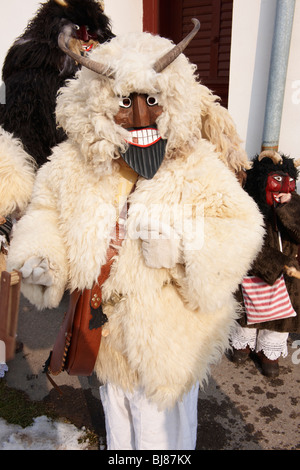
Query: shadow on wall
point(260, 78)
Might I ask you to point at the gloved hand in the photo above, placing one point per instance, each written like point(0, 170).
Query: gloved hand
point(292, 271)
point(283, 198)
point(36, 270)
point(161, 245)
point(5, 229)
point(3, 243)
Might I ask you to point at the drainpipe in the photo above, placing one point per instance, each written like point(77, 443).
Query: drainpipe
point(278, 70)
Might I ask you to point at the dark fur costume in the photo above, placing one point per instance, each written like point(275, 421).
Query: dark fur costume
point(284, 218)
point(256, 179)
point(35, 68)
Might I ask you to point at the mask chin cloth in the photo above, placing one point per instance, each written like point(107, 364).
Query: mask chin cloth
point(145, 158)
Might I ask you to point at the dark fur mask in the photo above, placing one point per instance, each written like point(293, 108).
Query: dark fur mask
point(35, 68)
point(44, 29)
point(257, 178)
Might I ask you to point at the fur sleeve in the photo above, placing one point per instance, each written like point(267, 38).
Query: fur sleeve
point(232, 236)
point(269, 264)
point(17, 173)
point(37, 234)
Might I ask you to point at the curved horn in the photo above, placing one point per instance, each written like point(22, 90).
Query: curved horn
point(170, 56)
point(63, 42)
point(275, 157)
point(62, 3)
point(101, 4)
point(297, 162)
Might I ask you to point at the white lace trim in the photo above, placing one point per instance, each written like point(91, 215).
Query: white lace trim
point(243, 337)
point(272, 351)
point(272, 343)
point(238, 344)
point(3, 369)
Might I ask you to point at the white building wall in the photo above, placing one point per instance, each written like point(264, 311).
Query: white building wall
point(126, 15)
point(252, 34)
point(290, 125)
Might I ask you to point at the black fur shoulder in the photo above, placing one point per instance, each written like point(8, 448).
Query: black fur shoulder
point(35, 68)
point(257, 178)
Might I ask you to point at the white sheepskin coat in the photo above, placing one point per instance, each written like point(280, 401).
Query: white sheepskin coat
point(171, 324)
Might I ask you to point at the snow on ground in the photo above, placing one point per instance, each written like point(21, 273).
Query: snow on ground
point(43, 434)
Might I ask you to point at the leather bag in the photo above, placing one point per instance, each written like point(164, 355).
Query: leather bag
point(77, 344)
point(265, 303)
point(10, 286)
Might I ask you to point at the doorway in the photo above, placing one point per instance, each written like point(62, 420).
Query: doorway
point(210, 49)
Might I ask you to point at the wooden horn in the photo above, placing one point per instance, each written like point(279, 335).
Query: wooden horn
point(274, 156)
point(62, 3)
point(170, 56)
point(63, 42)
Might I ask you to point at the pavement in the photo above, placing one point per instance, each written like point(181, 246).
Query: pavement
point(238, 408)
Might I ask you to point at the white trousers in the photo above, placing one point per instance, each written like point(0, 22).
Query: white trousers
point(272, 343)
point(133, 423)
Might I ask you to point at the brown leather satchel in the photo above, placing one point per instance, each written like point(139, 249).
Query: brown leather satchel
point(77, 344)
point(10, 285)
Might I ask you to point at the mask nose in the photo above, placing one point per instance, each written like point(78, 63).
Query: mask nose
point(286, 186)
point(141, 114)
point(83, 34)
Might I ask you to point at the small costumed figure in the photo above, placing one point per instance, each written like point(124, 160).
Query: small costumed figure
point(270, 293)
point(134, 120)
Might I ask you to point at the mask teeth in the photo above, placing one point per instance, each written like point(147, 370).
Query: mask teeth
point(144, 137)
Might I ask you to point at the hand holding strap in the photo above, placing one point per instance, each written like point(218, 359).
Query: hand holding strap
point(112, 251)
point(116, 241)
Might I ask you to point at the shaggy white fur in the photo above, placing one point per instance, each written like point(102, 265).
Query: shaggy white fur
point(192, 112)
point(17, 173)
point(170, 324)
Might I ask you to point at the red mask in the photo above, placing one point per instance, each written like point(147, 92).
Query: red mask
point(278, 183)
point(84, 34)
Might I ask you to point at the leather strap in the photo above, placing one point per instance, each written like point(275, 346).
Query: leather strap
point(96, 294)
point(114, 245)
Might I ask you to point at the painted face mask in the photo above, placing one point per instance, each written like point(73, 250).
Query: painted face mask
point(87, 39)
point(137, 112)
point(146, 150)
point(278, 182)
